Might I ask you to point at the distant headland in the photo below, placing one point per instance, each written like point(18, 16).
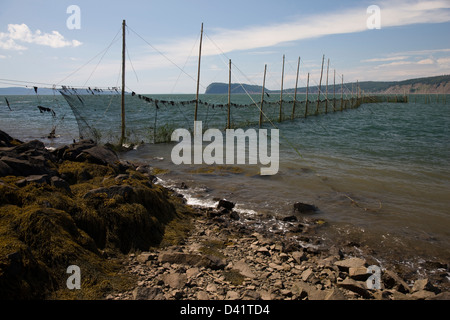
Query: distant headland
point(428, 85)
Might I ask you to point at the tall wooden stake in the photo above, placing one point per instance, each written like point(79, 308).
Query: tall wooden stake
point(334, 91)
point(342, 93)
point(122, 137)
point(198, 75)
point(320, 86)
point(307, 99)
point(295, 93)
point(326, 95)
point(281, 94)
point(262, 97)
point(229, 97)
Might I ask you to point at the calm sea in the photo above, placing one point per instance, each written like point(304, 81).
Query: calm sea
point(379, 174)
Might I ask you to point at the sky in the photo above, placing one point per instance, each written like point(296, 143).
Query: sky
point(78, 43)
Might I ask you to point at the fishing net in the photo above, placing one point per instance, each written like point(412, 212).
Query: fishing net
point(152, 119)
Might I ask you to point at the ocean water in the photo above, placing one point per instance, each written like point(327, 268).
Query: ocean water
point(379, 174)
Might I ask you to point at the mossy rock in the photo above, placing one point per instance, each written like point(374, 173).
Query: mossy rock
point(44, 229)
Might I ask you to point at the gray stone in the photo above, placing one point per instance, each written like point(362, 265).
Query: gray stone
point(146, 293)
point(175, 280)
point(392, 281)
point(359, 274)
point(424, 284)
point(299, 256)
point(244, 269)
point(305, 208)
point(195, 260)
point(202, 295)
point(335, 294)
point(423, 294)
point(232, 295)
point(346, 264)
point(143, 257)
point(99, 155)
point(60, 183)
point(356, 287)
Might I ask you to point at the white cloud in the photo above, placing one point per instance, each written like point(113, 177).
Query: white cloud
point(393, 13)
point(18, 33)
point(426, 61)
point(385, 59)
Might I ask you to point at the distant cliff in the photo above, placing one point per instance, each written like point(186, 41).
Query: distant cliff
point(439, 84)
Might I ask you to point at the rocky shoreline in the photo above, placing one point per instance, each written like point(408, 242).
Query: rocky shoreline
point(136, 240)
point(225, 258)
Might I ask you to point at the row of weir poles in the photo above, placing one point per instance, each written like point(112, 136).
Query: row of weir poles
point(281, 94)
point(307, 91)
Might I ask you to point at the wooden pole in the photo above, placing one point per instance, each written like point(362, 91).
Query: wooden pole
point(334, 91)
point(351, 101)
point(342, 93)
point(326, 95)
point(229, 96)
point(262, 97)
point(281, 94)
point(198, 75)
point(295, 93)
point(320, 86)
point(307, 91)
point(122, 137)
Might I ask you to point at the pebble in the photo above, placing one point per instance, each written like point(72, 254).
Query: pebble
point(258, 265)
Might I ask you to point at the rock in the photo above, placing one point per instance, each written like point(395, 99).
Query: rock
point(299, 256)
point(60, 183)
point(228, 205)
point(423, 294)
point(175, 280)
point(195, 260)
point(244, 269)
point(263, 250)
point(441, 296)
point(98, 155)
point(72, 151)
point(125, 191)
point(234, 215)
point(391, 280)
point(24, 167)
point(265, 295)
point(356, 287)
point(7, 141)
point(38, 179)
point(305, 290)
point(359, 273)
point(423, 284)
point(305, 208)
point(192, 272)
point(5, 170)
point(143, 257)
point(289, 219)
point(202, 295)
point(345, 265)
point(232, 295)
point(146, 293)
point(307, 274)
point(211, 287)
point(335, 294)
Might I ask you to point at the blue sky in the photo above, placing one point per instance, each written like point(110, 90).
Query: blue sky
point(37, 46)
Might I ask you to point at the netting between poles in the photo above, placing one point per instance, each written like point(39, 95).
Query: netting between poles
point(152, 119)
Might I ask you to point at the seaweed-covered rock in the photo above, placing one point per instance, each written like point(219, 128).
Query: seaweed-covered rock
point(67, 208)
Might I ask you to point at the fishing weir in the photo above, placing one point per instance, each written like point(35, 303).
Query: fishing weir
point(150, 119)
